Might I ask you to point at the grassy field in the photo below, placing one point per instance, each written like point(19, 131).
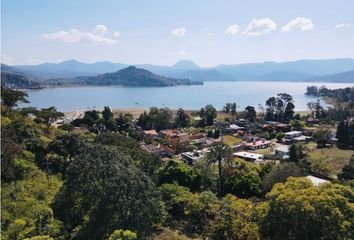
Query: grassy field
point(266, 151)
point(332, 157)
point(231, 140)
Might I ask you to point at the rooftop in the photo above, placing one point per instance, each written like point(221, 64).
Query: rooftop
point(316, 181)
point(249, 155)
point(293, 133)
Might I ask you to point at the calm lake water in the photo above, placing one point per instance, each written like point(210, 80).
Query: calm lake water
point(187, 97)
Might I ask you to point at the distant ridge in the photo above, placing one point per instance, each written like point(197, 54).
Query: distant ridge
point(301, 70)
point(345, 77)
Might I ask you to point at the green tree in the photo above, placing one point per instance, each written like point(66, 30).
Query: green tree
point(296, 152)
point(342, 134)
point(123, 235)
point(235, 220)
point(322, 136)
point(233, 109)
point(298, 210)
point(347, 173)
point(250, 113)
point(181, 173)
point(219, 152)
point(192, 212)
point(279, 174)
point(108, 119)
point(182, 118)
point(62, 150)
point(244, 186)
point(48, 116)
point(104, 191)
point(10, 98)
point(227, 108)
point(210, 115)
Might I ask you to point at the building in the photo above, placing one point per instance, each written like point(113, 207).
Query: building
point(175, 138)
point(312, 120)
point(316, 181)
point(151, 134)
point(254, 157)
point(260, 144)
point(232, 129)
point(282, 151)
point(294, 136)
point(190, 157)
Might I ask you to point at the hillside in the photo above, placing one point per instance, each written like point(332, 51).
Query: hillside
point(134, 77)
point(345, 77)
point(16, 81)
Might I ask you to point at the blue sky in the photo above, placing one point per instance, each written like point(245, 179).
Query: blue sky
point(163, 32)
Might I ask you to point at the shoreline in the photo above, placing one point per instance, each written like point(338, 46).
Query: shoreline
point(137, 111)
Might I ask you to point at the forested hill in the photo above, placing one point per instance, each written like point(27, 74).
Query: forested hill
point(17, 81)
point(135, 77)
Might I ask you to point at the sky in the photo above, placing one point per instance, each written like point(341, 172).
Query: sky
point(207, 32)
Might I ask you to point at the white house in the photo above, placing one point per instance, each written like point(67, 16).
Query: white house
point(250, 156)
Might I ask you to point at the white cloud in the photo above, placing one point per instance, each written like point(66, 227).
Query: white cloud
point(343, 25)
point(76, 36)
point(233, 29)
point(260, 26)
point(116, 34)
point(182, 52)
point(179, 31)
point(7, 60)
point(304, 24)
point(100, 30)
point(210, 34)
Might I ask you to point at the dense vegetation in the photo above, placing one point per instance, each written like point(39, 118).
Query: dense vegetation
point(90, 179)
point(341, 94)
point(12, 80)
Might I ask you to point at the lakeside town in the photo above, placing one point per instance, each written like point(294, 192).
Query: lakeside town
point(253, 138)
point(177, 120)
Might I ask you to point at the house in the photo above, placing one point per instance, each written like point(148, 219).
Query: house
point(175, 138)
point(282, 127)
point(237, 147)
point(232, 129)
point(316, 181)
point(276, 126)
point(190, 157)
point(260, 144)
point(250, 156)
point(292, 136)
point(312, 121)
point(151, 133)
point(281, 151)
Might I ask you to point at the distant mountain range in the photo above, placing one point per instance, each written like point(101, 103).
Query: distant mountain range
point(301, 70)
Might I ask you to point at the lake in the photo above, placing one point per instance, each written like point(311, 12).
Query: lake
point(187, 97)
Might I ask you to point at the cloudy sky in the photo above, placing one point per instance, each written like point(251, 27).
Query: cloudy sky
point(208, 32)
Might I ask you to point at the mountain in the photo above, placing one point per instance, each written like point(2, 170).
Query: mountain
point(132, 76)
point(345, 77)
point(185, 64)
point(71, 68)
point(300, 70)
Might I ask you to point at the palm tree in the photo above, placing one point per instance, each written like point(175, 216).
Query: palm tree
point(218, 152)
